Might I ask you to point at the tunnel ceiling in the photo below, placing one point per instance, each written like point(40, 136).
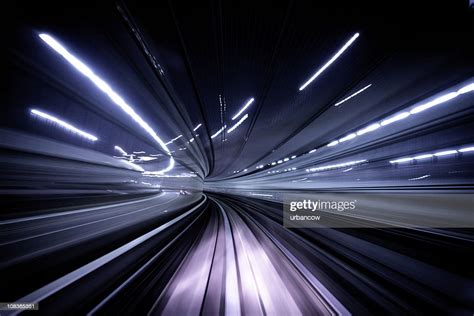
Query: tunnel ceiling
point(182, 65)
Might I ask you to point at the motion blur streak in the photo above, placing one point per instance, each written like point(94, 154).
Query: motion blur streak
point(158, 159)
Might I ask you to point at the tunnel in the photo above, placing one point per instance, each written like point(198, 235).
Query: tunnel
point(224, 157)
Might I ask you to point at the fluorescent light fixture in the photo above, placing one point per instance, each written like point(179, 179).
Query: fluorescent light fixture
point(120, 150)
point(139, 152)
point(340, 165)
point(243, 108)
point(274, 163)
point(352, 95)
point(434, 102)
point(419, 178)
point(327, 64)
point(348, 137)
point(199, 125)
point(176, 138)
point(445, 153)
point(369, 128)
point(286, 159)
point(259, 194)
point(312, 151)
point(64, 124)
point(245, 170)
point(279, 161)
point(219, 131)
point(243, 118)
point(466, 149)
point(426, 156)
point(146, 158)
point(293, 157)
point(104, 87)
point(333, 143)
point(395, 118)
point(402, 160)
point(467, 88)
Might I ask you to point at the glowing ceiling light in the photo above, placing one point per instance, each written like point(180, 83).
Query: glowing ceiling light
point(274, 163)
point(419, 178)
point(401, 160)
point(445, 153)
point(312, 151)
point(426, 156)
point(280, 161)
point(434, 102)
point(466, 149)
point(333, 143)
point(120, 150)
point(467, 88)
point(340, 165)
point(293, 157)
point(104, 87)
point(243, 108)
point(199, 125)
point(238, 123)
point(369, 128)
point(176, 138)
point(218, 132)
point(327, 64)
point(286, 159)
point(64, 124)
point(395, 118)
point(352, 95)
point(348, 137)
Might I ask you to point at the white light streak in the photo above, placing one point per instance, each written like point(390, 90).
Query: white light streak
point(64, 124)
point(467, 88)
point(120, 150)
point(286, 159)
point(395, 118)
point(434, 102)
point(218, 132)
point(333, 143)
point(425, 156)
point(243, 108)
point(352, 95)
point(104, 87)
point(445, 153)
point(401, 160)
point(466, 149)
point(327, 64)
point(340, 165)
point(437, 154)
point(419, 178)
point(293, 157)
point(312, 151)
point(176, 138)
point(260, 194)
point(243, 118)
point(368, 129)
point(199, 125)
point(348, 137)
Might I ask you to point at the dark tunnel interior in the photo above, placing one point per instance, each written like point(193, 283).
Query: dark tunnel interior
point(224, 157)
